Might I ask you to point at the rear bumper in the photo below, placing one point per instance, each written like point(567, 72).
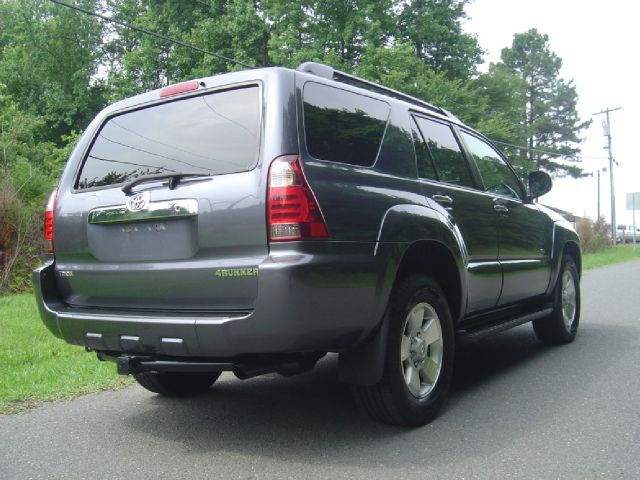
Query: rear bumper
point(305, 303)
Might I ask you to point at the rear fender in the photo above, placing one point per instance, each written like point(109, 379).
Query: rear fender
point(402, 227)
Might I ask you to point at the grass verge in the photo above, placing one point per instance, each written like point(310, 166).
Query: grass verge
point(610, 255)
point(35, 366)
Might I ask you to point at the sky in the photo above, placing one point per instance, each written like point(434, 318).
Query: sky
point(598, 44)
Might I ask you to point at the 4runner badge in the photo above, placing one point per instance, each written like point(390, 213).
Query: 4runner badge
point(237, 272)
point(140, 201)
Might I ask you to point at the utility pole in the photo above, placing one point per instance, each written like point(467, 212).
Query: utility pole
point(598, 217)
point(603, 169)
point(607, 133)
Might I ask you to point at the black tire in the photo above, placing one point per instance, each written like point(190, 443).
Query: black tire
point(557, 329)
point(173, 384)
point(391, 400)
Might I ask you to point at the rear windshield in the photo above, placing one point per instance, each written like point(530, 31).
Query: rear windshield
point(343, 126)
point(216, 133)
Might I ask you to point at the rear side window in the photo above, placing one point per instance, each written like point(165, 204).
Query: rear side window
point(444, 151)
point(343, 126)
point(218, 133)
point(426, 169)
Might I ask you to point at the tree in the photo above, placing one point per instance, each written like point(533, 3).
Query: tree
point(399, 68)
point(341, 33)
point(336, 32)
point(49, 60)
point(549, 118)
point(505, 94)
point(239, 32)
point(434, 28)
point(138, 62)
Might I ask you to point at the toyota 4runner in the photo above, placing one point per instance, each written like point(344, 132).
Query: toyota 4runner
point(256, 220)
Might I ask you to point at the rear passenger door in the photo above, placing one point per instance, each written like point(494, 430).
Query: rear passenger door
point(448, 181)
point(524, 232)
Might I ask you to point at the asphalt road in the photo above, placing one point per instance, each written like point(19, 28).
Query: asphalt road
point(517, 410)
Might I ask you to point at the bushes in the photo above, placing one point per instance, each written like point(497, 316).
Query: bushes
point(20, 230)
point(29, 168)
point(595, 236)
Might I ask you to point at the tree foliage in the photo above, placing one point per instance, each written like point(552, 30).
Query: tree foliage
point(27, 164)
point(434, 28)
point(49, 62)
point(138, 62)
point(549, 120)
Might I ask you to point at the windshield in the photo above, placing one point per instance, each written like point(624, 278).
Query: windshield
point(214, 134)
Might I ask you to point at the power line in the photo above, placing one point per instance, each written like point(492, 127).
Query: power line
point(547, 152)
point(203, 3)
point(153, 34)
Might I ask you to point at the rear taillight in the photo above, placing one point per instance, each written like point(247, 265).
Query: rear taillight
point(48, 221)
point(292, 210)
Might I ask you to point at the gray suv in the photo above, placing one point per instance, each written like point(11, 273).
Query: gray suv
point(254, 221)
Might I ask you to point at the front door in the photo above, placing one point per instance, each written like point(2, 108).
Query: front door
point(524, 236)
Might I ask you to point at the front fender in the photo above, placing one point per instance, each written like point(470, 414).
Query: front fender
point(564, 236)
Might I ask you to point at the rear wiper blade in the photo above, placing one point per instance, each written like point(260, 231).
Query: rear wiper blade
point(174, 179)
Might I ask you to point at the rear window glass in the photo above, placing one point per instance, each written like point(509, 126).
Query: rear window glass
point(343, 126)
point(216, 133)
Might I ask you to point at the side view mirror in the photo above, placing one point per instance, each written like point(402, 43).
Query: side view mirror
point(539, 183)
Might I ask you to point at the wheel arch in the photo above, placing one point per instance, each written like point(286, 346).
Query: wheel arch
point(435, 260)
point(431, 245)
point(412, 239)
point(572, 249)
point(565, 242)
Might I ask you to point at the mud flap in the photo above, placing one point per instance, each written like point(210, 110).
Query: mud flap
point(364, 365)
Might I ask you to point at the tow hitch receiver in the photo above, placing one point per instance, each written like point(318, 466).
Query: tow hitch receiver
point(284, 365)
point(126, 365)
point(131, 364)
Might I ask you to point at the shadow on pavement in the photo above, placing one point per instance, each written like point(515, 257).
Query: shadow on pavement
point(311, 417)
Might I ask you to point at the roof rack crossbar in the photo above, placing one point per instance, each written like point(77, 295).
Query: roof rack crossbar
point(329, 72)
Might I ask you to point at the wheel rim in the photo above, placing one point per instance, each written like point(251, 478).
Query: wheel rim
point(568, 299)
point(421, 350)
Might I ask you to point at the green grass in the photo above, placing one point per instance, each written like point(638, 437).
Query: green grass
point(610, 255)
point(35, 366)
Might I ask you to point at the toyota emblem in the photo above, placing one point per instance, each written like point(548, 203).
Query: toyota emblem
point(140, 201)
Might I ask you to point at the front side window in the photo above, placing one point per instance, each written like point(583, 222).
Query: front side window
point(496, 175)
point(450, 164)
point(343, 126)
point(215, 134)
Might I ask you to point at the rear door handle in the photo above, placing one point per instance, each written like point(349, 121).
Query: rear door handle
point(443, 199)
point(498, 207)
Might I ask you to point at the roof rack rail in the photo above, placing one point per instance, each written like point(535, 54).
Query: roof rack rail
point(326, 71)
